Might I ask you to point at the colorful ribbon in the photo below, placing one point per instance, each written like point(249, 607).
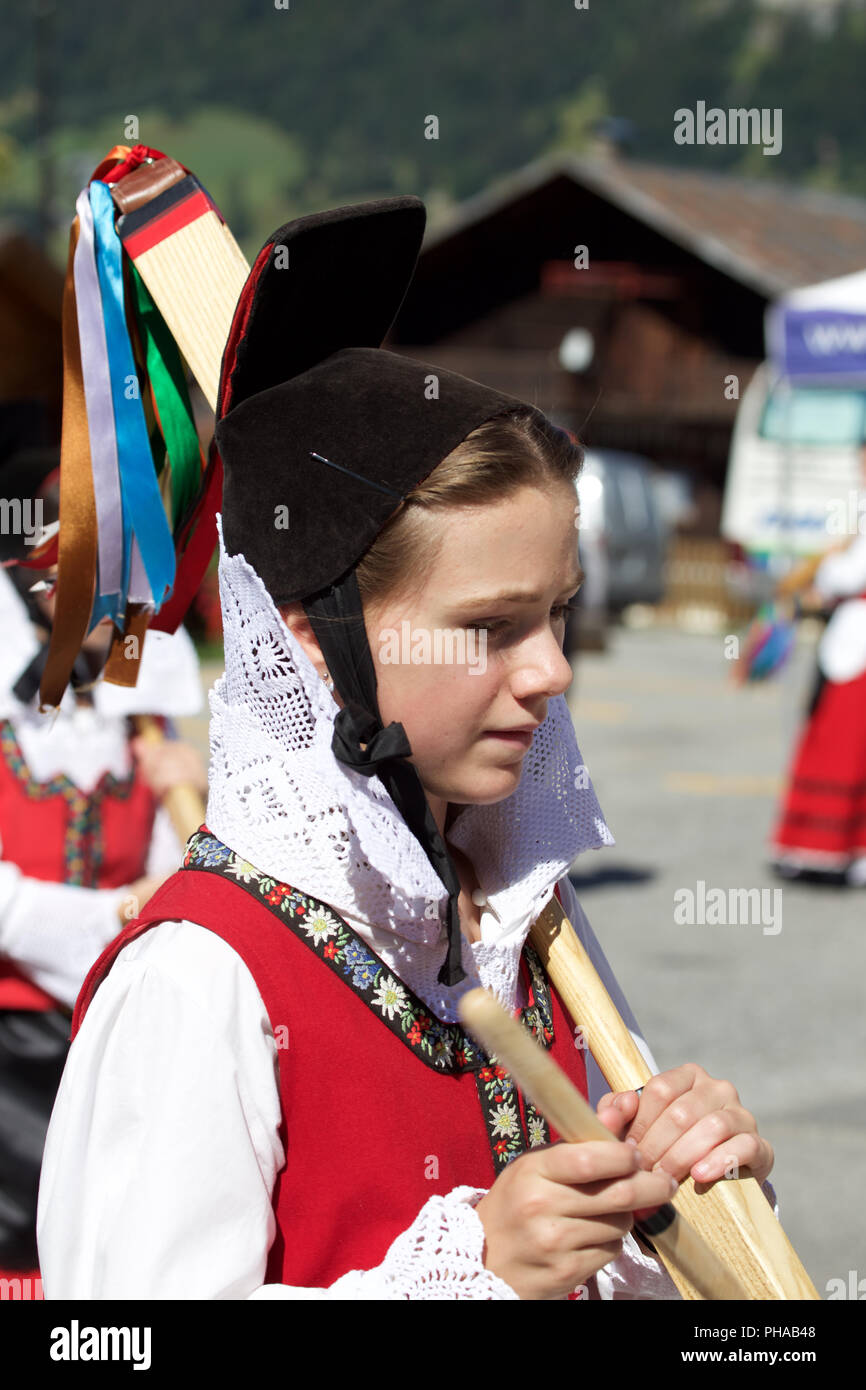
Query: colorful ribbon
point(171, 400)
point(112, 544)
point(142, 501)
point(76, 571)
point(137, 505)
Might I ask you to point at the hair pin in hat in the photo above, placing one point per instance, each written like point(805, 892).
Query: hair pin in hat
point(380, 487)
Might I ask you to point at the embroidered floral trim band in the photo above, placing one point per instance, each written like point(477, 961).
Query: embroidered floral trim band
point(513, 1123)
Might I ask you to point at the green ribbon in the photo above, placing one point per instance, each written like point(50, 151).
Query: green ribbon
point(168, 383)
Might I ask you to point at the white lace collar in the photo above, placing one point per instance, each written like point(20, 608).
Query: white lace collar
point(279, 797)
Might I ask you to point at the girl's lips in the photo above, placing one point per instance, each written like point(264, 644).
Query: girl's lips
point(515, 737)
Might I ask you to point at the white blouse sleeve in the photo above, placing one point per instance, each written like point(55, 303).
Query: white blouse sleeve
point(843, 573)
point(53, 932)
point(164, 1148)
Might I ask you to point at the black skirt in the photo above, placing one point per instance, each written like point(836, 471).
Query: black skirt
point(33, 1048)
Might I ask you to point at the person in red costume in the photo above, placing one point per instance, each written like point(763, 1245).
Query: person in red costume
point(83, 840)
point(820, 834)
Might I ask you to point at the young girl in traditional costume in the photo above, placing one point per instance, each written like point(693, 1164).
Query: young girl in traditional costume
point(269, 1094)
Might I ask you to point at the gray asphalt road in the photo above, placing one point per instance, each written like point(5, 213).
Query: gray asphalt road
point(689, 771)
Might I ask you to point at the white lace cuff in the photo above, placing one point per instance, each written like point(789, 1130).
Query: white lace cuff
point(440, 1256)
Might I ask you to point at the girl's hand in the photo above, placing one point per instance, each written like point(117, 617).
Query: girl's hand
point(168, 764)
point(686, 1122)
point(556, 1215)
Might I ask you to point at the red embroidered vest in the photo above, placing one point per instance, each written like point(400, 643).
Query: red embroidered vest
point(54, 831)
point(383, 1105)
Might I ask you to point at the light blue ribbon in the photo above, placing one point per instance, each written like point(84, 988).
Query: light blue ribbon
point(96, 378)
point(142, 502)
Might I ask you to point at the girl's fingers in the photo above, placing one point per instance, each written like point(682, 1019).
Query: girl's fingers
point(657, 1094)
point(708, 1135)
point(714, 1135)
point(573, 1234)
point(672, 1103)
point(576, 1164)
point(597, 1178)
point(719, 1120)
point(637, 1192)
point(747, 1150)
point(617, 1109)
point(615, 1098)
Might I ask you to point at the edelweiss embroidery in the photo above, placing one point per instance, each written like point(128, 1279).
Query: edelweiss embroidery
point(513, 1124)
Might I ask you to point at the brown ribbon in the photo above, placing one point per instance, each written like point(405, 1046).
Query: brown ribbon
point(77, 544)
point(124, 658)
point(76, 571)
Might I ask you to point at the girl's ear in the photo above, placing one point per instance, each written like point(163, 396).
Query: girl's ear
point(299, 625)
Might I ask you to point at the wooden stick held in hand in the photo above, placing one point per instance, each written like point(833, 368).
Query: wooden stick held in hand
point(732, 1216)
point(183, 802)
point(550, 1090)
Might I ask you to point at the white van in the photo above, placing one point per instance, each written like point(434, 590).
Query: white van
point(794, 471)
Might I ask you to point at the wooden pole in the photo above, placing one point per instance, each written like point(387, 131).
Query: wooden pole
point(183, 802)
point(548, 1087)
point(732, 1216)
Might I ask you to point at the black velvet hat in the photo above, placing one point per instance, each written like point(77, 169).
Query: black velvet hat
point(311, 379)
point(322, 433)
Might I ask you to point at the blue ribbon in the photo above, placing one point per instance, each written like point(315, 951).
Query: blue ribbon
point(96, 376)
point(143, 510)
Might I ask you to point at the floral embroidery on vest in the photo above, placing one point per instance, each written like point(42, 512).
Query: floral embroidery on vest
point(513, 1124)
point(83, 845)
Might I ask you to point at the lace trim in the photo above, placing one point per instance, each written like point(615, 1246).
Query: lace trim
point(440, 1256)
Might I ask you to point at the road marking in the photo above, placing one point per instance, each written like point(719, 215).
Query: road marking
point(716, 784)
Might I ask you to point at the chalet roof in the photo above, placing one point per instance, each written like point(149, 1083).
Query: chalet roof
point(767, 235)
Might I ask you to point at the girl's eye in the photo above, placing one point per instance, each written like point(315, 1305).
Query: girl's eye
point(493, 625)
point(499, 625)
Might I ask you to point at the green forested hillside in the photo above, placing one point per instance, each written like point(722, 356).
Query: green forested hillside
point(283, 109)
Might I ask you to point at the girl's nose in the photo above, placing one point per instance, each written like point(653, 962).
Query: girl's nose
point(541, 669)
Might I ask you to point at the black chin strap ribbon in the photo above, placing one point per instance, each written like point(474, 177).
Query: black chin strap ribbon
point(361, 742)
